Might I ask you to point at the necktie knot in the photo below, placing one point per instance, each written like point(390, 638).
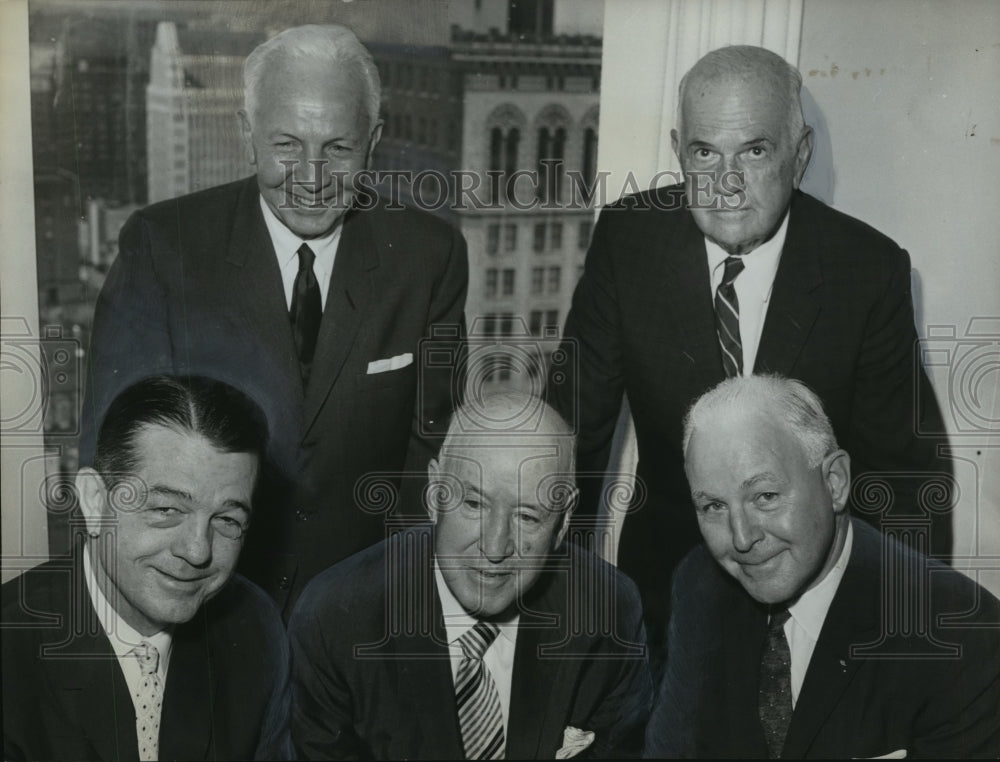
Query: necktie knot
point(148, 656)
point(306, 257)
point(778, 619)
point(733, 267)
point(479, 638)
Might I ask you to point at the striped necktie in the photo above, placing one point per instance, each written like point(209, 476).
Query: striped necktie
point(727, 319)
point(479, 713)
point(775, 692)
point(150, 702)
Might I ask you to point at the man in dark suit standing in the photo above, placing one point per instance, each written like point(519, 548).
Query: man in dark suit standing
point(304, 289)
point(143, 644)
point(799, 632)
point(484, 635)
point(737, 273)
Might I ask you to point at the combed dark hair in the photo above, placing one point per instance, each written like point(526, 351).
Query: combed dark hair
point(225, 416)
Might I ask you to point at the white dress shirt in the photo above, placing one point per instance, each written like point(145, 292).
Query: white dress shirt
point(753, 287)
point(808, 614)
point(499, 657)
point(123, 637)
point(286, 249)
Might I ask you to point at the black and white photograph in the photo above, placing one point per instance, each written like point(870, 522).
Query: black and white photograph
point(485, 379)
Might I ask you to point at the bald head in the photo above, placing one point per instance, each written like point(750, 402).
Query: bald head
point(748, 66)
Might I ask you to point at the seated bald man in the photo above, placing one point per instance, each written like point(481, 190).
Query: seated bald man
point(798, 631)
point(143, 643)
point(484, 634)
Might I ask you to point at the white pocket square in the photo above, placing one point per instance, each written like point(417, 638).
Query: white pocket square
point(574, 741)
point(390, 363)
point(898, 754)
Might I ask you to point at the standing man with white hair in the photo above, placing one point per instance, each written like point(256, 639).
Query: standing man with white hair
point(302, 288)
point(736, 273)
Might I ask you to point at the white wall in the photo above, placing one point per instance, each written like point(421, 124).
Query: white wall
point(910, 94)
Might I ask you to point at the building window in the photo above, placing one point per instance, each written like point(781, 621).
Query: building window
point(535, 323)
point(539, 243)
point(555, 279)
point(508, 282)
point(503, 158)
point(583, 237)
point(551, 152)
point(491, 282)
point(552, 319)
point(556, 236)
point(492, 239)
point(589, 161)
point(537, 280)
point(510, 231)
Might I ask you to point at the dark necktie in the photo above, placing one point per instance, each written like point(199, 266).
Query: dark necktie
point(727, 318)
point(306, 312)
point(479, 713)
point(774, 701)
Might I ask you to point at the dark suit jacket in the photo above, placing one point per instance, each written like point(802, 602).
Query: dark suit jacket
point(908, 658)
point(372, 672)
point(642, 322)
point(227, 694)
point(196, 289)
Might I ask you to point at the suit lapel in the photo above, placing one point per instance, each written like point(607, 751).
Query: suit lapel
point(793, 308)
point(254, 282)
point(423, 663)
point(85, 670)
point(350, 295)
point(687, 292)
point(187, 714)
point(852, 619)
point(745, 624)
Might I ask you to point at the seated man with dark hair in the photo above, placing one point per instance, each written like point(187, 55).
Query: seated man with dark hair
point(799, 632)
point(481, 636)
point(143, 644)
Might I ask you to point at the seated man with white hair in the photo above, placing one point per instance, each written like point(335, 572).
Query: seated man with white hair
point(484, 634)
point(798, 631)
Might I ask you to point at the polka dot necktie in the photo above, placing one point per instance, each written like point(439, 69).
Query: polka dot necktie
point(150, 701)
point(479, 714)
point(775, 696)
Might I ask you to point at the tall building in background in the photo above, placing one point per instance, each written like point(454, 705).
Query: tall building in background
point(195, 89)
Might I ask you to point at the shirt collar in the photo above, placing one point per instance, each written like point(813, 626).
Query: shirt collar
point(286, 243)
point(810, 610)
point(122, 635)
point(457, 621)
point(759, 264)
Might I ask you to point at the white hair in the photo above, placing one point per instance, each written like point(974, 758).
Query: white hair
point(785, 399)
point(327, 43)
point(746, 63)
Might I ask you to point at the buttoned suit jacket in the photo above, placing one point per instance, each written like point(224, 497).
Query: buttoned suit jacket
point(840, 319)
point(196, 289)
point(227, 693)
point(908, 659)
point(373, 676)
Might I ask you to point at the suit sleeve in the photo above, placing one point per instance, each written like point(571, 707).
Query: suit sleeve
point(322, 705)
point(130, 338)
point(275, 737)
point(439, 390)
point(619, 723)
point(590, 396)
point(893, 402)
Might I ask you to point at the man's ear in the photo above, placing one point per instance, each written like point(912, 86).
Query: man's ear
point(803, 152)
point(246, 133)
point(837, 474)
point(675, 143)
point(571, 500)
point(374, 138)
point(433, 484)
point(93, 496)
